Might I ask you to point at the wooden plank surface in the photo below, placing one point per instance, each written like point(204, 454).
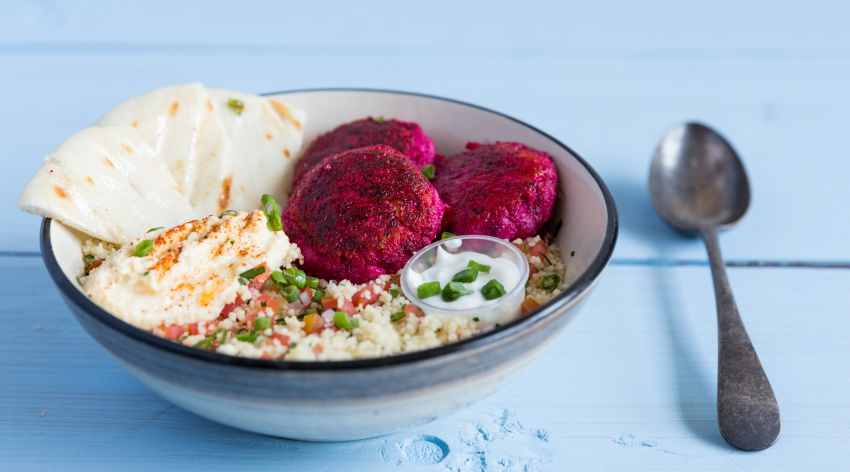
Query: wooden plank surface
point(629, 383)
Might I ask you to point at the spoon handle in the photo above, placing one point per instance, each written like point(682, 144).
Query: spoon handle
point(747, 411)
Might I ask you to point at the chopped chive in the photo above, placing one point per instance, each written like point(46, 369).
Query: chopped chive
point(428, 289)
point(272, 210)
point(397, 316)
point(155, 229)
point(479, 267)
point(88, 258)
point(394, 292)
point(454, 290)
point(247, 336)
point(343, 321)
point(465, 276)
point(550, 282)
point(492, 290)
point(206, 343)
point(238, 106)
point(143, 248)
point(429, 171)
point(447, 235)
point(318, 294)
point(263, 323)
point(291, 293)
point(221, 335)
point(228, 213)
point(312, 282)
point(251, 273)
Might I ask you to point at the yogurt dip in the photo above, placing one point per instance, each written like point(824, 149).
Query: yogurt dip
point(485, 278)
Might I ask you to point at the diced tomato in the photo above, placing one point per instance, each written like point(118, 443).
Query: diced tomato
point(412, 309)
point(173, 332)
point(281, 338)
point(258, 281)
point(347, 307)
point(365, 296)
point(538, 249)
point(193, 328)
point(230, 307)
point(317, 349)
point(313, 323)
point(528, 305)
point(394, 279)
point(266, 300)
point(329, 302)
point(532, 269)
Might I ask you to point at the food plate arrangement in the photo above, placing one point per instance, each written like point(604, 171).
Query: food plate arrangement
point(271, 292)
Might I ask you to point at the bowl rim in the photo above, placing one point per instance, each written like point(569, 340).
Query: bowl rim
point(582, 284)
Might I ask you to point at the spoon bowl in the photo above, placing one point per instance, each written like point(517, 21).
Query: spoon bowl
point(697, 179)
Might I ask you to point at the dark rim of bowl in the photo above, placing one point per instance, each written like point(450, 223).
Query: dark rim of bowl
point(479, 340)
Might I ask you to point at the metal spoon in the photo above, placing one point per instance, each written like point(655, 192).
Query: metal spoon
point(699, 185)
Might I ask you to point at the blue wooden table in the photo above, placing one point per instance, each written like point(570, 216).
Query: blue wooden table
point(630, 385)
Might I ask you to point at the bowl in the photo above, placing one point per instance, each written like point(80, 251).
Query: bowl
point(500, 310)
point(345, 400)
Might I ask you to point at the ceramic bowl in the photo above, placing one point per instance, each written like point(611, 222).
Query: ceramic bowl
point(344, 400)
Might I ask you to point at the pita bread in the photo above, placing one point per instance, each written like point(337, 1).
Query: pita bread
point(108, 183)
point(169, 118)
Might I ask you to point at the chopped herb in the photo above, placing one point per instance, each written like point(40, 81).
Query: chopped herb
point(550, 282)
point(143, 248)
point(397, 316)
point(291, 293)
point(465, 276)
point(296, 277)
point(251, 273)
point(428, 289)
point(243, 281)
point(247, 336)
point(572, 254)
point(447, 235)
point(238, 106)
point(272, 210)
point(278, 277)
point(228, 213)
point(221, 335)
point(454, 290)
point(379, 119)
point(292, 346)
point(88, 258)
point(312, 282)
point(146, 272)
point(318, 294)
point(479, 267)
point(262, 323)
point(476, 319)
point(155, 229)
point(429, 171)
point(206, 343)
point(492, 290)
point(343, 321)
point(394, 292)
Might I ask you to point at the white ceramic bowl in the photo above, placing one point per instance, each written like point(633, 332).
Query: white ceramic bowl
point(342, 400)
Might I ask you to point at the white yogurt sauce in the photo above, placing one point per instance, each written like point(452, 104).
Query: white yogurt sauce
point(448, 264)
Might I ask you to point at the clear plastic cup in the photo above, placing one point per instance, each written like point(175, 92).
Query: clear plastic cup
point(500, 310)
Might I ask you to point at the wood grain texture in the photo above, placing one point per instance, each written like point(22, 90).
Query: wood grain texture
point(630, 385)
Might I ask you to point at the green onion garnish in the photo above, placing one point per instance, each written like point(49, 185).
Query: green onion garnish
point(296, 277)
point(454, 290)
point(228, 213)
point(206, 343)
point(447, 235)
point(394, 292)
point(397, 316)
point(272, 210)
point(379, 119)
point(143, 248)
point(238, 106)
point(342, 321)
point(263, 323)
point(251, 273)
point(318, 294)
point(88, 258)
point(428, 289)
point(550, 282)
point(291, 293)
point(492, 290)
point(155, 229)
point(479, 267)
point(465, 276)
point(278, 277)
point(312, 282)
point(247, 336)
point(429, 171)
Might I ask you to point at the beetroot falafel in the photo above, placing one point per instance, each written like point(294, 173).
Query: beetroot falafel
point(505, 189)
point(404, 136)
point(362, 213)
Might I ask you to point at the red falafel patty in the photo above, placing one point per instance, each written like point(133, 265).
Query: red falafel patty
point(404, 136)
point(362, 213)
point(505, 189)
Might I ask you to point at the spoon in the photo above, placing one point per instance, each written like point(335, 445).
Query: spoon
point(699, 186)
